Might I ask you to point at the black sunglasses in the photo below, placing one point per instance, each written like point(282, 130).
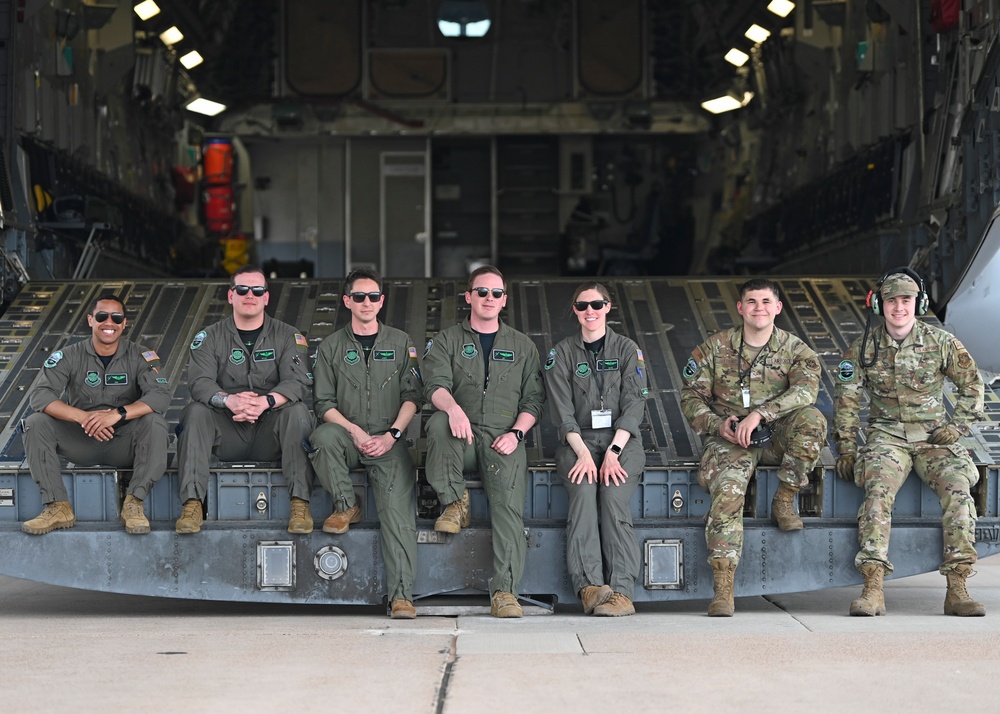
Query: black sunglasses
point(360, 297)
point(257, 290)
point(116, 317)
point(581, 305)
point(483, 292)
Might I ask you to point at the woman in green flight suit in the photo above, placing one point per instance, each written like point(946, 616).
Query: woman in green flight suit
point(596, 381)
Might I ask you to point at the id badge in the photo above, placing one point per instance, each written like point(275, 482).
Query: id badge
point(746, 398)
point(600, 418)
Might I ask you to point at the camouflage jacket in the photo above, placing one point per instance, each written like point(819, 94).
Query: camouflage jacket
point(784, 377)
point(906, 387)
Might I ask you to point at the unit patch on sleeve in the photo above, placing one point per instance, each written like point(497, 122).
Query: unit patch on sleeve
point(691, 368)
point(845, 370)
point(53, 359)
point(550, 361)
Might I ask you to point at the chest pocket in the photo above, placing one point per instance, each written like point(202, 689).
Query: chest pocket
point(925, 375)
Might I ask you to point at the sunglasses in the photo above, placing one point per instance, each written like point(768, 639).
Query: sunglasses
point(483, 292)
point(257, 290)
point(581, 305)
point(360, 297)
point(116, 317)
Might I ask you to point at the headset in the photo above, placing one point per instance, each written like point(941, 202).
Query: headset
point(874, 299)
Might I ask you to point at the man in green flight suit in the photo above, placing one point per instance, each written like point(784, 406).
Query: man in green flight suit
point(249, 377)
point(484, 379)
point(903, 371)
point(98, 401)
point(367, 390)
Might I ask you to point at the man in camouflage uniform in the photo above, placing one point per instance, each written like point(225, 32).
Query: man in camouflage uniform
point(735, 381)
point(485, 381)
point(367, 390)
point(903, 372)
point(98, 401)
point(249, 377)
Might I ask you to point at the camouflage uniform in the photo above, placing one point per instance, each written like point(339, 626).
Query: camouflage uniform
point(453, 361)
point(783, 382)
point(599, 534)
point(902, 413)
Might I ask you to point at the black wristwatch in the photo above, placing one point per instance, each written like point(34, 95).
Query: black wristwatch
point(123, 414)
point(395, 433)
point(270, 400)
point(615, 449)
point(518, 433)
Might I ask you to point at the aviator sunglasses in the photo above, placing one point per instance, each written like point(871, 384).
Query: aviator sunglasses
point(257, 290)
point(581, 305)
point(483, 292)
point(116, 317)
point(360, 297)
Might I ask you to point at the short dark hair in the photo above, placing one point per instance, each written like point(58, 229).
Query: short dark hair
point(245, 270)
point(363, 273)
point(759, 284)
point(107, 296)
point(483, 270)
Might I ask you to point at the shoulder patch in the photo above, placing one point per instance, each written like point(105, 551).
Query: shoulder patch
point(846, 370)
point(413, 352)
point(964, 359)
point(691, 368)
point(198, 340)
point(150, 356)
point(550, 361)
point(427, 349)
point(54, 358)
point(301, 340)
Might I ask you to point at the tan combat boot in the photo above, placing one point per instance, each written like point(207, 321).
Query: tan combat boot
point(191, 517)
point(783, 508)
point(617, 606)
point(872, 600)
point(593, 595)
point(722, 605)
point(133, 516)
point(402, 610)
point(300, 521)
point(957, 601)
point(340, 521)
point(58, 514)
point(455, 516)
point(504, 605)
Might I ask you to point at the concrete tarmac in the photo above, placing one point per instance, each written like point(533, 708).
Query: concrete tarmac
point(66, 650)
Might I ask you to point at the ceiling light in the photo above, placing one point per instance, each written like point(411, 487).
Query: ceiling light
point(147, 9)
point(727, 102)
point(205, 106)
point(781, 8)
point(737, 57)
point(463, 18)
point(757, 33)
point(192, 59)
point(171, 36)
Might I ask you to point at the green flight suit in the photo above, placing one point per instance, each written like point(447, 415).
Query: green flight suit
point(370, 395)
point(77, 376)
point(904, 386)
point(453, 360)
point(600, 541)
point(220, 362)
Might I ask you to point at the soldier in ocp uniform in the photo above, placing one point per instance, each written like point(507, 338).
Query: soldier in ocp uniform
point(367, 390)
point(98, 401)
point(596, 382)
point(903, 369)
point(484, 379)
point(249, 378)
point(740, 385)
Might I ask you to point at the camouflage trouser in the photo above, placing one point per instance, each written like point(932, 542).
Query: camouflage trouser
point(726, 469)
point(883, 466)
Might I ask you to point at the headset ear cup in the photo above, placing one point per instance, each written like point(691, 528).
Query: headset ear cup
point(876, 303)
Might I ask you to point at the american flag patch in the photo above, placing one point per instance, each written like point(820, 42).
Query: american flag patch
point(300, 340)
point(413, 353)
point(150, 356)
point(638, 353)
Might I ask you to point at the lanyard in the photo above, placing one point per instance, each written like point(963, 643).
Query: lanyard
point(746, 375)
